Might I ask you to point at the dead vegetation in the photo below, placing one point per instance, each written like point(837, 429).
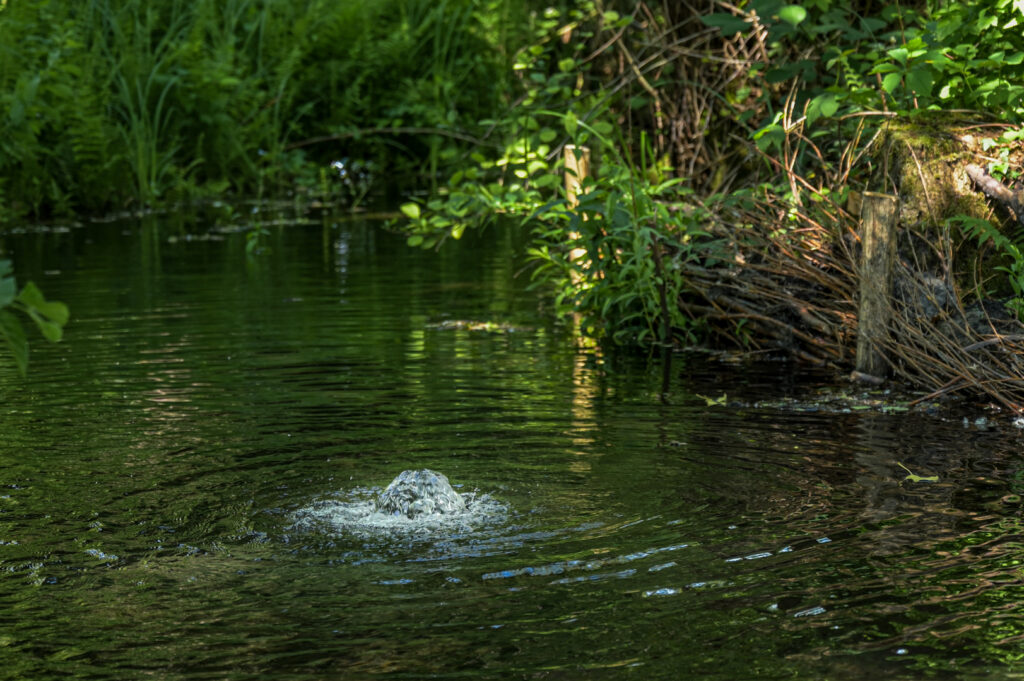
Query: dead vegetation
point(793, 282)
point(788, 278)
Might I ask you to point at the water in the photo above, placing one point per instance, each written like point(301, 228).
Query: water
point(181, 484)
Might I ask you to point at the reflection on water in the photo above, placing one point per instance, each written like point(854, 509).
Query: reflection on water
point(187, 485)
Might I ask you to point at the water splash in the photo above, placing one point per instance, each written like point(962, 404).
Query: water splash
point(416, 503)
point(416, 493)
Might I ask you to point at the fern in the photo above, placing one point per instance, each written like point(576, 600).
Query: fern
point(983, 232)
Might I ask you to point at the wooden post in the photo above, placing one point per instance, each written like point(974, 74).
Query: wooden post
point(878, 246)
point(577, 169)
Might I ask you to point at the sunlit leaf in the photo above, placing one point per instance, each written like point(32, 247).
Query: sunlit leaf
point(792, 14)
point(913, 477)
point(411, 210)
point(899, 54)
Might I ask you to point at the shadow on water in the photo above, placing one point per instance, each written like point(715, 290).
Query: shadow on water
point(186, 484)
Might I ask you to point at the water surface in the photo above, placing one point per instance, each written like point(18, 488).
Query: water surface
point(158, 470)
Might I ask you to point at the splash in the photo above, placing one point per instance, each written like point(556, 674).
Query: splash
point(416, 493)
point(417, 502)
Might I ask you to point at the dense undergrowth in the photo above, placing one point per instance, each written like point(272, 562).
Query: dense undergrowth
point(707, 117)
point(108, 104)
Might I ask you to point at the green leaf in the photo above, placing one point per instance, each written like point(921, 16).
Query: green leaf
point(415, 240)
point(8, 287)
point(51, 330)
point(411, 210)
point(891, 82)
point(547, 135)
point(884, 67)
point(822, 106)
point(34, 301)
point(534, 166)
point(920, 81)
point(768, 136)
point(14, 335)
point(49, 316)
point(899, 54)
point(792, 14)
point(571, 124)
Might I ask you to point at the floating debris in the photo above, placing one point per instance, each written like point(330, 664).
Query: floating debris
point(913, 477)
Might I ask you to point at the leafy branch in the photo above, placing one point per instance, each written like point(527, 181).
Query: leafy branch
point(49, 316)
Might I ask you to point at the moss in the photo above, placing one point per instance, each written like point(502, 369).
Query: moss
point(925, 161)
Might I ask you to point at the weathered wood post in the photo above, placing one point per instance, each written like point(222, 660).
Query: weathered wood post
point(577, 169)
point(878, 254)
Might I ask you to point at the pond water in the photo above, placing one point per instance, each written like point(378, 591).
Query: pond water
point(164, 475)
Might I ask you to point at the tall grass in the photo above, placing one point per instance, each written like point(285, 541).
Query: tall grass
point(112, 103)
point(137, 42)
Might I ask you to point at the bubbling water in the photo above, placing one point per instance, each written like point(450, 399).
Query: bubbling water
point(416, 493)
point(419, 502)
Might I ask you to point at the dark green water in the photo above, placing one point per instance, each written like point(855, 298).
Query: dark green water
point(153, 467)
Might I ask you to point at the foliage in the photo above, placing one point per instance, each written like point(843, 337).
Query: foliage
point(602, 257)
point(48, 316)
point(809, 83)
point(1009, 248)
point(615, 258)
point(108, 103)
point(841, 63)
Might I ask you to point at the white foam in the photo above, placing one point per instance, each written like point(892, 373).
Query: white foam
point(358, 515)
